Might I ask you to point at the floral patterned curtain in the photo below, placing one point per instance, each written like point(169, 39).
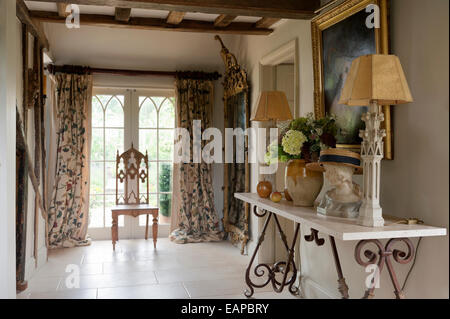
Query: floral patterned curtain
point(69, 203)
point(194, 211)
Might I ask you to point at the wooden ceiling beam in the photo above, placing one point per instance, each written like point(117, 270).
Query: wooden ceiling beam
point(175, 17)
point(122, 14)
point(153, 24)
point(33, 26)
point(285, 9)
point(224, 20)
point(266, 22)
point(61, 6)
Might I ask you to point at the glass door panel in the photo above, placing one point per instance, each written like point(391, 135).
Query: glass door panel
point(155, 132)
point(109, 111)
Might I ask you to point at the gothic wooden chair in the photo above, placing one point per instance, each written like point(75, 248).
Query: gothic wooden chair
point(132, 174)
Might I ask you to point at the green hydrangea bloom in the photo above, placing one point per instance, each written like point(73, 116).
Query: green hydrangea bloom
point(292, 142)
point(271, 157)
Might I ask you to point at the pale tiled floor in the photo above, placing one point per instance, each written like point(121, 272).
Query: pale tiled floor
point(136, 270)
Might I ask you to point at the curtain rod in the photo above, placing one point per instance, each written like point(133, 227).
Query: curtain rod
point(77, 69)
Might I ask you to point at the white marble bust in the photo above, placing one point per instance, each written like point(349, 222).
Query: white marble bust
point(344, 199)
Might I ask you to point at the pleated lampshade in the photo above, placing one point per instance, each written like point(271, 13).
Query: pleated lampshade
point(272, 106)
point(375, 77)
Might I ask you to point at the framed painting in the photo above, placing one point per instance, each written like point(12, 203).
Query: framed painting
point(338, 37)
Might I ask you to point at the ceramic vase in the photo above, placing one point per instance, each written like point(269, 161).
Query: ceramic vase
point(302, 184)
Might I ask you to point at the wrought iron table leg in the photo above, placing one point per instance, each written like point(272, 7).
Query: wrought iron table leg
point(314, 236)
point(283, 267)
point(280, 231)
point(290, 260)
point(384, 257)
point(402, 258)
point(343, 288)
point(249, 292)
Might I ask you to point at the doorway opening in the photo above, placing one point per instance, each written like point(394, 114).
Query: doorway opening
point(122, 118)
point(279, 71)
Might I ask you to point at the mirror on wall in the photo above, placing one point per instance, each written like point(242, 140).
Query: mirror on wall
point(236, 174)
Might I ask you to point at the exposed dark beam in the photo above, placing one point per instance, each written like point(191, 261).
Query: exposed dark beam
point(153, 24)
point(175, 17)
point(21, 139)
point(224, 20)
point(62, 9)
point(266, 22)
point(122, 14)
point(283, 9)
point(35, 28)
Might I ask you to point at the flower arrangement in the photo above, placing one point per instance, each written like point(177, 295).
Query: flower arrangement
point(303, 138)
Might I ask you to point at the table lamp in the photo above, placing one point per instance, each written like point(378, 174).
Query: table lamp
point(374, 80)
point(271, 106)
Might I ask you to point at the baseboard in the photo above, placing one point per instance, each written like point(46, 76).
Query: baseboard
point(312, 290)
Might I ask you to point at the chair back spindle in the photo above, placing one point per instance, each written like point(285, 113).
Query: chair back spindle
point(132, 174)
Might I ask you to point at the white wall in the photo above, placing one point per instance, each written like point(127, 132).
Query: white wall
point(415, 183)
point(7, 148)
point(14, 89)
point(30, 259)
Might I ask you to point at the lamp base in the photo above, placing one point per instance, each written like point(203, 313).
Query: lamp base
point(371, 154)
point(370, 216)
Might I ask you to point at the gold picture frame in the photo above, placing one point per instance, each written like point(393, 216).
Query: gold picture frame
point(329, 19)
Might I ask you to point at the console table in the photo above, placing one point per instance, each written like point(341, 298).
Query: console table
point(334, 227)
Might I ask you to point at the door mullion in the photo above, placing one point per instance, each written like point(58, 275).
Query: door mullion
point(157, 156)
point(133, 129)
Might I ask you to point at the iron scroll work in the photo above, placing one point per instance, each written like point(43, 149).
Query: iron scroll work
point(364, 256)
point(286, 269)
point(236, 175)
point(384, 258)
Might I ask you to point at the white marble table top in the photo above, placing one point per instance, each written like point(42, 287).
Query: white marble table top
point(340, 228)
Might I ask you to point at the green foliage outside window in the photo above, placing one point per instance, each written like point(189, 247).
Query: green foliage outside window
point(165, 180)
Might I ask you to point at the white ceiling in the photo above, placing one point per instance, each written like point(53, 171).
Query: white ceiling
point(85, 9)
point(128, 48)
point(134, 49)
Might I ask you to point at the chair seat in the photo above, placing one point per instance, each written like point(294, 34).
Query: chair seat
point(133, 207)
